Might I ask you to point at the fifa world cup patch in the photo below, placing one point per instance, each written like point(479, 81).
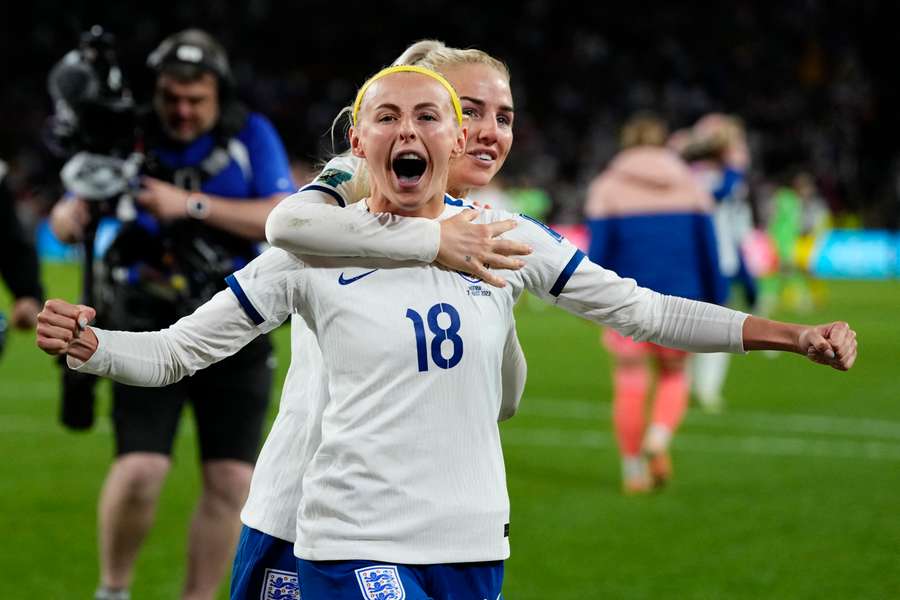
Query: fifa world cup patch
point(333, 177)
point(280, 585)
point(381, 582)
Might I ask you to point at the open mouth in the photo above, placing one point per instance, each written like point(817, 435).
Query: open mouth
point(409, 167)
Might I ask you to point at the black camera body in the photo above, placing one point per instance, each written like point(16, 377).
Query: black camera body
point(93, 107)
point(94, 126)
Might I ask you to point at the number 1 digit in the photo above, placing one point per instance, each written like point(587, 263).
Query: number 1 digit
point(419, 327)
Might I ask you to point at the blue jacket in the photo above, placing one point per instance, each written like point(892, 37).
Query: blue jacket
point(651, 221)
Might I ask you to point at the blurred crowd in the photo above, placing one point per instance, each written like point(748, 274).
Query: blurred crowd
point(809, 79)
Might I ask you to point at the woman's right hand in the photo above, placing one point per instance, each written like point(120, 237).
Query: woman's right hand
point(68, 219)
point(474, 248)
point(62, 329)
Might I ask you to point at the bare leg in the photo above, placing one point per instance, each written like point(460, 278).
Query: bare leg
point(216, 526)
point(126, 511)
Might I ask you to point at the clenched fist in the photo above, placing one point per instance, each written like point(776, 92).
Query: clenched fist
point(833, 344)
point(62, 329)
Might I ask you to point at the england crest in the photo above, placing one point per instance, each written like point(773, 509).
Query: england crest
point(280, 585)
point(381, 582)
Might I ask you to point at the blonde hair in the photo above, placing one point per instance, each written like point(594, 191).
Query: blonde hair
point(436, 55)
point(431, 54)
point(454, 98)
point(719, 130)
point(713, 136)
point(644, 129)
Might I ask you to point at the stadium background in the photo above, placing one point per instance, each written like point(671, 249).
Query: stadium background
point(790, 494)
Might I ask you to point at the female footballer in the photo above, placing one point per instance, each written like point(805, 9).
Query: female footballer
point(405, 493)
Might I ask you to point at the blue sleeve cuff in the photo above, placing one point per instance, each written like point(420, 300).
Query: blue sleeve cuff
point(244, 300)
point(566, 273)
point(312, 187)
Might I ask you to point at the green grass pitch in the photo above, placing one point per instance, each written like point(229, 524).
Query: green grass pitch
point(792, 493)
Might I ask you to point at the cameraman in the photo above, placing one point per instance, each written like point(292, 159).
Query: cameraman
point(18, 263)
point(212, 173)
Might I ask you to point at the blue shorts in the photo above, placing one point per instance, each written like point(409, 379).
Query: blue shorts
point(264, 568)
point(372, 580)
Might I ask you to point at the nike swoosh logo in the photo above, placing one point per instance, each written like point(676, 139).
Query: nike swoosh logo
point(343, 281)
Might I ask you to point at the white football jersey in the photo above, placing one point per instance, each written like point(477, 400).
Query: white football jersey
point(275, 488)
point(275, 491)
point(409, 467)
point(393, 389)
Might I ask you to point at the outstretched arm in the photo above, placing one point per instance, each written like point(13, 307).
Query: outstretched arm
point(214, 331)
point(561, 274)
point(695, 326)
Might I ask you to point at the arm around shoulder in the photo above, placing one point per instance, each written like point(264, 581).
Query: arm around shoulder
point(304, 224)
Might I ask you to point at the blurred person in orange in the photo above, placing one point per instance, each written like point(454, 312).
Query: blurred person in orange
point(651, 220)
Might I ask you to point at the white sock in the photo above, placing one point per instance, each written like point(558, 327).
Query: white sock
point(657, 439)
point(708, 377)
point(633, 467)
point(105, 593)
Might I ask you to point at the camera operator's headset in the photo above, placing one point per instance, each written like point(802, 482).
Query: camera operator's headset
point(194, 47)
point(198, 48)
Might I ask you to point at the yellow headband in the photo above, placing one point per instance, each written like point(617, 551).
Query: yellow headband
point(409, 69)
